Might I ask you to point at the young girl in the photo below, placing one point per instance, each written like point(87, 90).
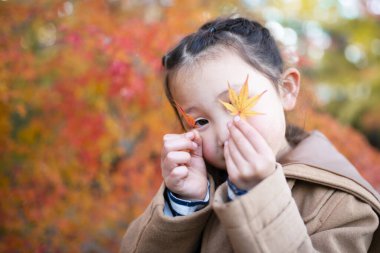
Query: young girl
point(236, 180)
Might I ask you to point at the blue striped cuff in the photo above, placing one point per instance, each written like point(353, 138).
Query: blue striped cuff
point(181, 207)
point(233, 191)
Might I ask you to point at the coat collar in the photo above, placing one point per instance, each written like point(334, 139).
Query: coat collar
point(317, 151)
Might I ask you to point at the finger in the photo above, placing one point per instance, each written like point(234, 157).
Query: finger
point(198, 140)
point(176, 145)
point(173, 159)
point(238, 159)
point(233, 172)
point(168, 137)
point(242, 143)
point(178, 157)
point(176, 176)
point(253, 136)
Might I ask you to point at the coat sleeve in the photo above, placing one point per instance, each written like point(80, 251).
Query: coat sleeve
point(267, 219)
point(153, 231)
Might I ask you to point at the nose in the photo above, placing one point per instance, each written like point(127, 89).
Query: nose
point(222, 130)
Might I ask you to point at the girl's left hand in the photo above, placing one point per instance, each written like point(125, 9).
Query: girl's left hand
point(249, 159)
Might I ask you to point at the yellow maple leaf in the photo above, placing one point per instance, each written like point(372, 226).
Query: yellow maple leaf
point(240, 104)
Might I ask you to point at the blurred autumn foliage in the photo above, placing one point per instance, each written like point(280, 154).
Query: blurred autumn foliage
point(82, 114)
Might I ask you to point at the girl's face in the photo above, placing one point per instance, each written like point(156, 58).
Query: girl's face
point(198, 89)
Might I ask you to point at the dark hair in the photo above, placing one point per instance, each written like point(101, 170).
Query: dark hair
point(248, 38)
point(251, 40)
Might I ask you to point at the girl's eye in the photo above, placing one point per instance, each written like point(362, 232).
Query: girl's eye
point(201, 122)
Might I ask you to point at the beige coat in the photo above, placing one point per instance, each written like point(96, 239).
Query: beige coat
point(315, 201)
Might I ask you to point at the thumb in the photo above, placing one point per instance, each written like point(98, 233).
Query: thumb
point(198, 141)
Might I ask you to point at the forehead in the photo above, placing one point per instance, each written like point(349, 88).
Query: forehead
point(208, 76)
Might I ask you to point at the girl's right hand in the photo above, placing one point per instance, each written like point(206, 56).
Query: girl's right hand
point(183, 167)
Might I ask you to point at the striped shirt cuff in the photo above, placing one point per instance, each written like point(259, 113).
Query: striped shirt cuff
point(181, 207)
point(233, 191)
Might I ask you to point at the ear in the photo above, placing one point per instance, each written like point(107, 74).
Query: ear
point(289, 88)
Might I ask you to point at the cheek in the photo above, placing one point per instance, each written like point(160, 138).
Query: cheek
point(212, 154)
point(208, 150)
point(271, 125)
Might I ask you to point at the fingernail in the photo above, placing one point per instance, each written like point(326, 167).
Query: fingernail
point(237, 118)
point(195, 145)
point(225, 143)
point(229, 124)
point(189, 135)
